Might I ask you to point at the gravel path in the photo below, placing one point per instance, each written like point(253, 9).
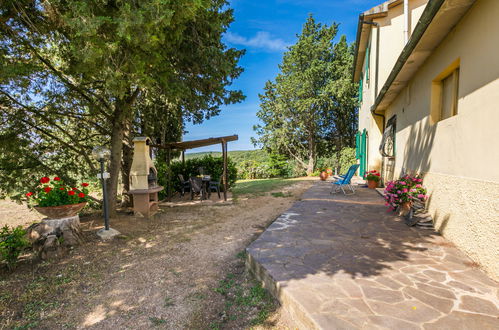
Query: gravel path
point(159, 273)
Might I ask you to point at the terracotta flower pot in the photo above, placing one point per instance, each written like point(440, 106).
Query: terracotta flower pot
point(323, 176)
point(371, 184)
point(404, 208)
point(61, 211)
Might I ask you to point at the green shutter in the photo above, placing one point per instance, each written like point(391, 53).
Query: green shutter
point(357, 145)
point(363, 153)
point(368, 53)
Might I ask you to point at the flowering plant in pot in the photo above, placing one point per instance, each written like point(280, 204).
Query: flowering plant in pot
point(401, 193)
point(324, 174)
point(372, 178)
point(55, 199)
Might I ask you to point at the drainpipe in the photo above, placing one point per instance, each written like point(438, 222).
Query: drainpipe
point(406, 21)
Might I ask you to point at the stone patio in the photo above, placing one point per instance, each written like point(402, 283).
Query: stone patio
point(344, 262)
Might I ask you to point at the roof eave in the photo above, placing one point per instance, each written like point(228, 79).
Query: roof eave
point(433, 26)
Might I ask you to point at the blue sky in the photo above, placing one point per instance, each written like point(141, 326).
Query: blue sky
point(265, 28)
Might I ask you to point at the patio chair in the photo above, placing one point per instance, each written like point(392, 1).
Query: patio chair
point(185, 184)
point(345, 180)
point(197, 187)
point(216, 186)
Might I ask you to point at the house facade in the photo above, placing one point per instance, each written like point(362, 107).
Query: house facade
point(428, 74)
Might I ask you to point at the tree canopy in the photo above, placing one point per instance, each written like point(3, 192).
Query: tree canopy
point(310, 108)
point(80, 73)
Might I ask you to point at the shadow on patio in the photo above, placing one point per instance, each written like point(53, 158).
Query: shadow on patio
point(338, 261)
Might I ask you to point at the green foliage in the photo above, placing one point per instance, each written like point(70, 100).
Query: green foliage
point(12, 243)
point(346, 158)
point(76, 74)
point(257, 164)
point(211, 165)
point(310, 108)
point(340, 161)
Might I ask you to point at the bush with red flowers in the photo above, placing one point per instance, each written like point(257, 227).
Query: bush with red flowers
point(372, 176)
point(406, 189)
point(55, 193)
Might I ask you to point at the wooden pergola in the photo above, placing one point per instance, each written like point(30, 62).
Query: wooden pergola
point(185, 145)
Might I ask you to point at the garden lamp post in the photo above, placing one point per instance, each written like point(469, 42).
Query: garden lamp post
point(102, 154)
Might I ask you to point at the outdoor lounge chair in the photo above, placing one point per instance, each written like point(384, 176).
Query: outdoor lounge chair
point(345, 180)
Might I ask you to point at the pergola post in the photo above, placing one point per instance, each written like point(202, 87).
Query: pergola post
point(225, 174)
point(169, 176)
point(183, 157)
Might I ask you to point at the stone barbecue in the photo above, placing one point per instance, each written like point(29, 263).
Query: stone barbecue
point(144, 179)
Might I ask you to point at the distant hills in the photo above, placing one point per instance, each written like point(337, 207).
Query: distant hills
point(237, 156)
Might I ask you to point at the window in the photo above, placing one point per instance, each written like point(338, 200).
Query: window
point(367, 59)
point(387, 146)
point(445, 91)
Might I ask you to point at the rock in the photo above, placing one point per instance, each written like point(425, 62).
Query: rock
point(107, 234)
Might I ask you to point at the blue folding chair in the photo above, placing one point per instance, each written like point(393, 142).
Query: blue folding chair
point(345, 180)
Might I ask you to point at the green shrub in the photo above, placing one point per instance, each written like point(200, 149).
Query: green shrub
point(346, 158)
point(273, 167)
point(211, 165)
point(12, 243)
point(340, 161)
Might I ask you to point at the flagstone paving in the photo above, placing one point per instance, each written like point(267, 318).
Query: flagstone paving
point(344, 262)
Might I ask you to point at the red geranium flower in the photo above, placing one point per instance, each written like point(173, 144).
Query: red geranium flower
point(57, 178)
point(81, 195)
point(44, 179)
point(74, 188)
point(71, 192)
point(84, 184)
point(47, 189)
point(29, 194)
point(61, 188)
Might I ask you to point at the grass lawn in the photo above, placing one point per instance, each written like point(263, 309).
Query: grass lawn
point(261, 186)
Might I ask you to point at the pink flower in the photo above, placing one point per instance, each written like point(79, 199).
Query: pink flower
point(421, 196)
point(403, 183)
point(404, 190)
point(399, 192)
point(418, 186)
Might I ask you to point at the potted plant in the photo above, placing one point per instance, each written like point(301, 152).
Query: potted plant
point(401, 193)
point(324, 175)
point(55, 200)
point(372, 178)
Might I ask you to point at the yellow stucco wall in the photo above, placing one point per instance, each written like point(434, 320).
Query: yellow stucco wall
point(391, 44)
point(458, 156)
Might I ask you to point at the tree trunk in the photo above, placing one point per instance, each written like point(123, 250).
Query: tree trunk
point(311, 155)
point(126, 165)
point(114, 166)
point(121, 119)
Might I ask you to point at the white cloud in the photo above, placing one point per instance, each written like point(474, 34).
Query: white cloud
point(262, 40)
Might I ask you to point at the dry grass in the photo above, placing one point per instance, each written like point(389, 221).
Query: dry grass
point(160, 273)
